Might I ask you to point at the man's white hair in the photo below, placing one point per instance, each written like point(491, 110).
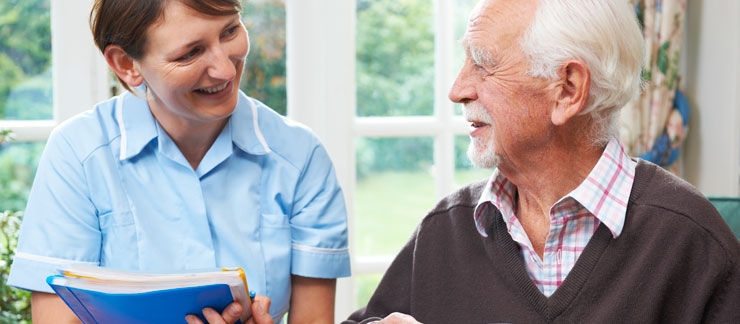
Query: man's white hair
point(604, 35)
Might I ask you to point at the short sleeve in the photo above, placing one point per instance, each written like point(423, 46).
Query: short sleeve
point(319, 221)
point(60, 225)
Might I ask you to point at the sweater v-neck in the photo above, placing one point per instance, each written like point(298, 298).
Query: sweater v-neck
point(502, 247)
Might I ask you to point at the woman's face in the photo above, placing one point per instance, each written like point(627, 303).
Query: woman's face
point(192, 65)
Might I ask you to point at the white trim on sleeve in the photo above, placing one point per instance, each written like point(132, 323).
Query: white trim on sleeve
point(318, 249)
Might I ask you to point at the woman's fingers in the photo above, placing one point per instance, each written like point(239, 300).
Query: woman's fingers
point(192, 319)
point(229, 316)
point(232, 313)
point(261, 310)
point(212, 316)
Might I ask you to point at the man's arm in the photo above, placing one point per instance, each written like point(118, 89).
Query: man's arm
point(393, 294)
point(725, 302)
point(49, 308)
point(312, 300)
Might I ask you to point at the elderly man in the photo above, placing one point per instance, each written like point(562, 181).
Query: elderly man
point(568, 229)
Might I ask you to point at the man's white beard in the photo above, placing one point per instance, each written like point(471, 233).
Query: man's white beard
point(481, 153)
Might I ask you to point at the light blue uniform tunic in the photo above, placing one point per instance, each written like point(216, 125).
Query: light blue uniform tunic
point(112, 189)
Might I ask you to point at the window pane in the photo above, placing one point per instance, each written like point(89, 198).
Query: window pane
point(366, 285)
point(395, 57)
point(25, 60)
point(460, 20)
point(465, 172)
point(18, 162)
point(264, 73)
point(395, 189)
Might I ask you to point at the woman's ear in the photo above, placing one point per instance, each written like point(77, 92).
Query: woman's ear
point(123, 65)
point(575, 82)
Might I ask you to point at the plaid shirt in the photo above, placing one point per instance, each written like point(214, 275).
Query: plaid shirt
point(601, 198)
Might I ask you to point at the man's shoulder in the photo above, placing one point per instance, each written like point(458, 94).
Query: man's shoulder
point(658, 188)
point(659, 197)
point(459, 204)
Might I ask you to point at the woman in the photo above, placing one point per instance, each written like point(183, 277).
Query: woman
point(189, 174)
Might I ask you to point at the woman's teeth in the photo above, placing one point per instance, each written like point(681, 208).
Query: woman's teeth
point(214, 89)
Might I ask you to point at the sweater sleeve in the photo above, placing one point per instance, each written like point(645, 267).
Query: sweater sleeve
point(394, 290)
point(724, 304)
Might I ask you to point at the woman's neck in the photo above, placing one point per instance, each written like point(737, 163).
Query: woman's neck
point(193, 138)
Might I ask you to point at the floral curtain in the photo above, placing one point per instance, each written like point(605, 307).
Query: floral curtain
point(654, 125)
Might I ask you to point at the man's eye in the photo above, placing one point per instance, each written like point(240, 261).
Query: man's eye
point(480, 68)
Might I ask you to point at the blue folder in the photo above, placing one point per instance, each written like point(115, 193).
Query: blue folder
point(161, 306)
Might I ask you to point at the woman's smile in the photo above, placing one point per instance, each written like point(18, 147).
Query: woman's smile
point(216, 92)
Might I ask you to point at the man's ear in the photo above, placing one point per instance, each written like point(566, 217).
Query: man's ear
point(575, 83)
point(123, 65)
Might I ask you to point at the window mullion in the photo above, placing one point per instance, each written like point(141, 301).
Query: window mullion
point(320, 61)
point(444, 149)
point(79, 71)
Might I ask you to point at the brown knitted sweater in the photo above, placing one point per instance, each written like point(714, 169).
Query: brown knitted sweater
point(676, 261)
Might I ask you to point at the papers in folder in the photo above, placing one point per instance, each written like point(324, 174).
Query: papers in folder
point(100, 295)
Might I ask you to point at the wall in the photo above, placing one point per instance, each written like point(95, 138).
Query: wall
point(711, 81)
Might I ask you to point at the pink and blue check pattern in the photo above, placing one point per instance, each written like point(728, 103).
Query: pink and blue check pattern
point(601, 198)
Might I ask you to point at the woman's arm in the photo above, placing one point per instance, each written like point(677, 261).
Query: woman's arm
point(49, 308)
point(312, 300)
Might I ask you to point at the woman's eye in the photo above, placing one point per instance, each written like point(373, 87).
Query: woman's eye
point(189, 55)
point(230, 31)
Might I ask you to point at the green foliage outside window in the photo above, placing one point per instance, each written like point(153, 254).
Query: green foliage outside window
point(264, 74)
point(395, 57)
point(15, 304)
point(25, 59)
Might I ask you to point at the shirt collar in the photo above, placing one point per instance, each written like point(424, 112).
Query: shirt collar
point(245, 124)
point(136, 124)
point(138, 127)
point(606, 190)
point(604, 193)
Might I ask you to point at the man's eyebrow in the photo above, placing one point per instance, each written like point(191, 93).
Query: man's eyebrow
point(479, 55)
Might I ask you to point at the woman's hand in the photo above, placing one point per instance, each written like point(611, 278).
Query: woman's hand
point(260, 313)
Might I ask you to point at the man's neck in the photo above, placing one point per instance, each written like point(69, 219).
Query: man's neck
point(545, 176)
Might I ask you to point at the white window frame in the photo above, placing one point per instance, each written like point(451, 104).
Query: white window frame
point(79, 72)
point(321, 88)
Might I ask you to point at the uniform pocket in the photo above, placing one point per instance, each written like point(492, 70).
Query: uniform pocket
point(276, 249)
point(119, 248)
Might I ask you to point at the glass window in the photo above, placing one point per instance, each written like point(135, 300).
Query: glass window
point(25, 60)
point(395, 189)
point(18, 162)
point(366, 285)
point(462, 9)
point(395, 57)
point(264, 73)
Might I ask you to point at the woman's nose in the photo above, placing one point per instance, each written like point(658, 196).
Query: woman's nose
point(221, 67)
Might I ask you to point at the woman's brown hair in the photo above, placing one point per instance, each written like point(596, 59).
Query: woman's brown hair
point(125, 22)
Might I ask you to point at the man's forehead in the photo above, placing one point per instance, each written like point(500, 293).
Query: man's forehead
point(498, 9)
point(501, 17)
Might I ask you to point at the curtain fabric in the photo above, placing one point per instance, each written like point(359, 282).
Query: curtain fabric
point(652, 126)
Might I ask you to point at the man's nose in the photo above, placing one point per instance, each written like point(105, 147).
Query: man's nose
point(463, 90)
